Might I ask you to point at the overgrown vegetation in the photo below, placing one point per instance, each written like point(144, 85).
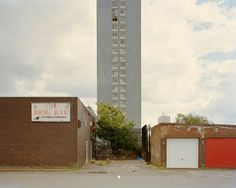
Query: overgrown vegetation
point(191, 119)
point(113, 127)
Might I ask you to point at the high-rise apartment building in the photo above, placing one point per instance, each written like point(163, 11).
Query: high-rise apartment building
point(119, 56)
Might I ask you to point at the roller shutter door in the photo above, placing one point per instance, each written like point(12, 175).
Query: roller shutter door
point(221, 153)
point(182, 153)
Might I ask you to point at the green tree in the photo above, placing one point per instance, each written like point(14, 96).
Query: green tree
point(191, 119)
point(112, 126)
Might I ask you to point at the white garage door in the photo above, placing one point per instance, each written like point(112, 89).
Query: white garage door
point(182, 153)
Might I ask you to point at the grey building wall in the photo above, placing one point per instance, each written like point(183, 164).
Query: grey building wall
point(104, 51)
point(84, 133)
point(105, 40)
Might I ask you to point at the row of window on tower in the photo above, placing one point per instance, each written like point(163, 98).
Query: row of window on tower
point(119, 58)
point(116, 73)
point(116, 12)
point(121, 103)
point(118, 81)
point(117, 35)
point(115, 27)
point(121, 19)
point(116, 88)
point(116, 3)
point(115, 50)
point(121, 42)
point(116, 66)
point(116, 96)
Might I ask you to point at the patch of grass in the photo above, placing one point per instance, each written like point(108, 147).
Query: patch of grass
point(157, 167)
point(41, 167)
point(75, 167)
point(102, 163)
point(98, 172)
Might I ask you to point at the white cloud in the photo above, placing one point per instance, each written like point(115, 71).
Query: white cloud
point(48, 48)
point(175, 79)
point(56, 40)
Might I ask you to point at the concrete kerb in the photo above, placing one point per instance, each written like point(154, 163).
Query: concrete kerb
point(37, 169)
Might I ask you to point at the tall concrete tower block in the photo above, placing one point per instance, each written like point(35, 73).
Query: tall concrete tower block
point(119, 56)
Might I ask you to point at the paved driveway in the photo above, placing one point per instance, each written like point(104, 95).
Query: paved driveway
point(120, 174)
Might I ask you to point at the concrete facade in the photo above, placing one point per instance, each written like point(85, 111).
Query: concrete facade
point(119, 56)
point(161, 132)
point(27, 143)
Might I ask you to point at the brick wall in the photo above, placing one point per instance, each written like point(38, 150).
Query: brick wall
point(163, 131)
point(27, 143)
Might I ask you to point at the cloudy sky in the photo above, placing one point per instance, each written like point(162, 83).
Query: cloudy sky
point(48, 48)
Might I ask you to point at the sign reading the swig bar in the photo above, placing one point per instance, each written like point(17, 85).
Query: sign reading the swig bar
point(50, 112)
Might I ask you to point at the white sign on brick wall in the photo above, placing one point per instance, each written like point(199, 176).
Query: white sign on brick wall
point(50, 112)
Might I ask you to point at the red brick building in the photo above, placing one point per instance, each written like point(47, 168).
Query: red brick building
point(189, 146)
point(48, 131)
